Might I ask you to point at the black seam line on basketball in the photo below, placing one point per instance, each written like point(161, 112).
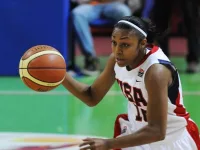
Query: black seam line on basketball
point(41, 80)
point(39, 84)
point(39, 56)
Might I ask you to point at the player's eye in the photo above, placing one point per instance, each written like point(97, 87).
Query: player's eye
point(124, 45)
point(113, 43)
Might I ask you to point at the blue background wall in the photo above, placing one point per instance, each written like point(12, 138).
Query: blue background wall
point(26, 23)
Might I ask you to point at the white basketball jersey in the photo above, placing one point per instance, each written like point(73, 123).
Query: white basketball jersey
point(133, 87)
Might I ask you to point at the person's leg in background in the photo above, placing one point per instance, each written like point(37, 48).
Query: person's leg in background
point(147, 7)
point(115, 11)
point(71, 46)
point(82, 16)
point(192, 23)
point(160, 15)
point(72, 69)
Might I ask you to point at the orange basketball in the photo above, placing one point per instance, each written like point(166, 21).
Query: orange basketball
point(42, 68)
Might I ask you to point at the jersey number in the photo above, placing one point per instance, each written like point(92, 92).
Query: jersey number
point(138, 100)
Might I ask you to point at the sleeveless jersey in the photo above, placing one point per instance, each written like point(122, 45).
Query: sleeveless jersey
point(133, 87)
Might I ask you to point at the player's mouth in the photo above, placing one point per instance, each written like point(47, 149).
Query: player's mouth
point(120, 60)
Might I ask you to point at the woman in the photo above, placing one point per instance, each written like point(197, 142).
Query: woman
point(157, 119)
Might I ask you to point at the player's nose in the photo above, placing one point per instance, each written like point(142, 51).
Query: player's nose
point(118, 50)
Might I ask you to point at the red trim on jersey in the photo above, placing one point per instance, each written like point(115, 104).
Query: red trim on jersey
point(117, 128)
point(153, 50)
point(180, 110)
point(191, 126)
point(194, 132)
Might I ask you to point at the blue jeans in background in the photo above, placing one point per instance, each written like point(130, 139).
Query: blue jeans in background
point(83, 15)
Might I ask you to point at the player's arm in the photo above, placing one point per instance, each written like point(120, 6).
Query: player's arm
point(157, 80)
point(92, 94)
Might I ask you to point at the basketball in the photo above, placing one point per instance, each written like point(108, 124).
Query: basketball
point(42, 68)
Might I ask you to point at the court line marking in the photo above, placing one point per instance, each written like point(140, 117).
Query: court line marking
point(60, 93)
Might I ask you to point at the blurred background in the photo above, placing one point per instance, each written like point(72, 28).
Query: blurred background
point(59, 23)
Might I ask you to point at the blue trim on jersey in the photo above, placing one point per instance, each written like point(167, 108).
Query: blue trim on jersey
point(173, 90)
point(164, 62)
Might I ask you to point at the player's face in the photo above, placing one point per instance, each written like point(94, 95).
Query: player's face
point(125, 47)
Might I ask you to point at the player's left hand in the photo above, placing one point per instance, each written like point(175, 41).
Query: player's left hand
point(94, 144)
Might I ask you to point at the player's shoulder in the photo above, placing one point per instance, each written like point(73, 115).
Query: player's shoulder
point(157, 76)
point(155, 55)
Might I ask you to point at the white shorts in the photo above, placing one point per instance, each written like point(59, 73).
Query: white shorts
point(180, 140)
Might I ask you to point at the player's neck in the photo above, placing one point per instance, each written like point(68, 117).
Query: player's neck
point(138, 60)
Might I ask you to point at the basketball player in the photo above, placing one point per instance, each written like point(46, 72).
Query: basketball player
point(156, 119)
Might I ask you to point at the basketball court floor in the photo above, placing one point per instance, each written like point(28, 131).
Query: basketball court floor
point(56, 119)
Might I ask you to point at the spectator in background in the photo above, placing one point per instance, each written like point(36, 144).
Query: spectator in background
point(82, 14)
point(191, 11)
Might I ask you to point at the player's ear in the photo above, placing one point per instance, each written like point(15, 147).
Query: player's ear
point(143, 43)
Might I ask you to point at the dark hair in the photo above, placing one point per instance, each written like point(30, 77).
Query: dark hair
point(146, 25)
